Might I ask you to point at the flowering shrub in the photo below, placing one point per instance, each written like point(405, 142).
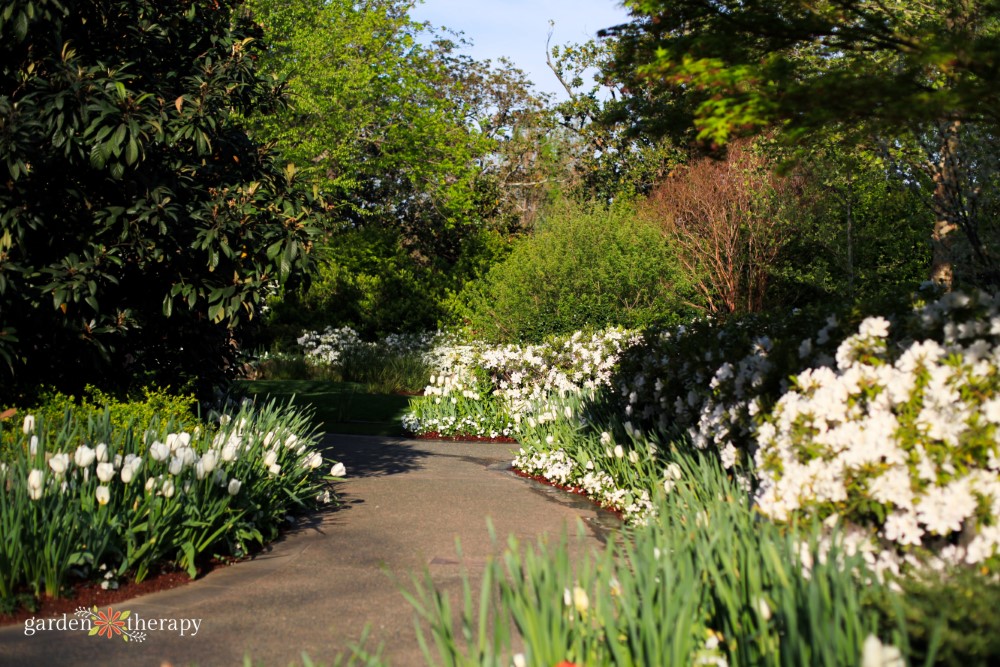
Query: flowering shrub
point(330, 345)
point(900, 438)
point(488, 390)
point(84, 495)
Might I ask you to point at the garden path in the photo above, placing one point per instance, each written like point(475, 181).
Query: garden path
point(405, 503)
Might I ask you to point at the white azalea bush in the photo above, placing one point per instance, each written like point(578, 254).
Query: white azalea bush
point(562, 443)
point(393, 363)
point(82, 495)
point(487, 390)
point(899, 438)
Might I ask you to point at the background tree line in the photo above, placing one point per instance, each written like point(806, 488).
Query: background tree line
point(176, 174)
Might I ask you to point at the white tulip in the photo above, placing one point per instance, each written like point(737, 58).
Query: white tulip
point(102, 452)
point(84, 456)
point(105, 471)
point(33, 445)
point(314, 461)
point(209, 459)
point(159, 451)
point(270, 458)
point(876, 654)
point(229, 452)
point(127, 474)
point(187, 455)
point(176, 465)
point(35, 479)
point(338, 470)
point(151, 484)
point(619, 451)
point(29, 424)
point(168, 488)
point(59, 463)
point(103, 494)
point(274, 469)
point(234, 486)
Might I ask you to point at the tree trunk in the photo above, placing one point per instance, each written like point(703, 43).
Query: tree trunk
point(946, 185)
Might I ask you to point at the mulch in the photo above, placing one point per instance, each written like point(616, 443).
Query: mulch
point(89, 593)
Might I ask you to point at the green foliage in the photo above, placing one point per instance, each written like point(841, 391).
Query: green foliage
point(377, 118)
point(950, 616)
point(584, 267)
point(368, 279)
point(139, 223)
point(599, 147)
point(809, 65)
point(157, 409)
point(861, 234)
point(704, 583)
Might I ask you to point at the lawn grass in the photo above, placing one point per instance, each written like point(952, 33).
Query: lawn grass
point(341, 407)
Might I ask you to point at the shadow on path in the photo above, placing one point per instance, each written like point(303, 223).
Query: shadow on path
point(369, 457)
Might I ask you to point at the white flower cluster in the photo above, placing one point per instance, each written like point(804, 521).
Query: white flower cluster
point(513, 379)
point(906, 432)
point(329, 346)
point(170, 466)
point(558, 467)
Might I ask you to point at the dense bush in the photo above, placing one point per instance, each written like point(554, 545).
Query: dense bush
point(584, 266)
point(140, 225)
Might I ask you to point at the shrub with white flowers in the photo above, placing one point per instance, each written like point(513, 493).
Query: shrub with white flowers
point(900, 438)
point(486, 390)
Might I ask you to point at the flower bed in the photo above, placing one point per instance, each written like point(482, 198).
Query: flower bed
point(84, 498)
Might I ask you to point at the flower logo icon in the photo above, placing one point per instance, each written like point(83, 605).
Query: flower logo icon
point(109, 624)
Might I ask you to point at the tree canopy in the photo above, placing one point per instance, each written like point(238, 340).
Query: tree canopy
point(753, 63)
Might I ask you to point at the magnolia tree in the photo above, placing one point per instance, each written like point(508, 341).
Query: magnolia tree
point(139, 223)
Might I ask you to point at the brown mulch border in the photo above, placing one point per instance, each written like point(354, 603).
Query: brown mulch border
point(89, 593)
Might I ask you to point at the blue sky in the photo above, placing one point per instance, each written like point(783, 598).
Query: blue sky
point(518, 28)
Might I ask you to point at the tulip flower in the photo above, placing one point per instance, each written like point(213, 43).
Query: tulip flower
point(29, 424)
point(59, 463)
point(338, 470)
point(234, 486)
point(159, 451)
point(84, 456)
point(35, 479)
point(105, 471)
point(103, 495)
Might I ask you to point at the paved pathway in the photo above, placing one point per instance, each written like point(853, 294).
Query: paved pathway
point(315, 590)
